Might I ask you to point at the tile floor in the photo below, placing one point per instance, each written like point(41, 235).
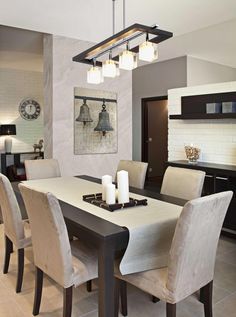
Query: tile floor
point(139, 304)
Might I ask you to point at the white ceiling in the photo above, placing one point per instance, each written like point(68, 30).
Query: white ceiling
point(216, 43)
point(21, 49)
point(202, 28)
point(91, 19)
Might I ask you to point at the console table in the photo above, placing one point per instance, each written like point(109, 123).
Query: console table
point(219, 177)
point(16, 158)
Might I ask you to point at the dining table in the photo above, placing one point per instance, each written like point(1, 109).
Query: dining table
point(108, 237)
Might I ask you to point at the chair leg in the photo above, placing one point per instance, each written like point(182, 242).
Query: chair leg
point(123, 297)
point(67, 301)
point(8, 251)
point(170, 310)
point(71, 237)
point(89, 286)
point(20, 270)
point(206, 294)
point(117, 297)
point(155, 299)
point(38, 290)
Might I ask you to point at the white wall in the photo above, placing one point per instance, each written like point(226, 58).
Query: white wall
point(201, 72)
point(216, 138)
point(16, 85)
point(150, 81)
point(60, 79)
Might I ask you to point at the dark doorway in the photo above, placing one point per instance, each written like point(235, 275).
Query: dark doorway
point(155, 136)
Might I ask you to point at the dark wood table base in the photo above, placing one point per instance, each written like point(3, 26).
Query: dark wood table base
point(107, 237)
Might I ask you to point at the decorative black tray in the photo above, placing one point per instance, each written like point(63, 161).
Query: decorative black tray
point(96, 199)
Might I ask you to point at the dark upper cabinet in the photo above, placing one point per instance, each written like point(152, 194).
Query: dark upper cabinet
point(194, 107)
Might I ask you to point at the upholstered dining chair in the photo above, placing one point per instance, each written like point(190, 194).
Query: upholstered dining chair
point(37, 169)
point(137, 172)
point(68, 264)
point(183, 183)
point(191, 258)
point(48, 168)
point(16, 231)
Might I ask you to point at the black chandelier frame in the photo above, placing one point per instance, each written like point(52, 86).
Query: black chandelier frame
point(91, 55)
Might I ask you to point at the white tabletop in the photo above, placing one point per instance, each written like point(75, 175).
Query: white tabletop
point(151, 227)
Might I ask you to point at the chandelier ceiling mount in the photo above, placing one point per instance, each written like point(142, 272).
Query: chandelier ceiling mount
point(127, 59)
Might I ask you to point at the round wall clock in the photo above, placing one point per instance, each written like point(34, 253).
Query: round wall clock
point(29, 109)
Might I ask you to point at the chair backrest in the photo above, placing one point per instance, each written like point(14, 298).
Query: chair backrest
point(194, 246)
point(37, 169)
point(183, 183)
point(12, 219)
point(51, 246)
point(137, 172)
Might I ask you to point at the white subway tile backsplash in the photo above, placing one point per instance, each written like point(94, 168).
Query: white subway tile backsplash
point(216, 138)
point(16, 85)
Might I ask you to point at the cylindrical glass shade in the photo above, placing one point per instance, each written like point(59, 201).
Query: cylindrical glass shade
point(148, 51)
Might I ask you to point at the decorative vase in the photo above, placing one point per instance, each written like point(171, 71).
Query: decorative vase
point(8, 144)
point(192, 153)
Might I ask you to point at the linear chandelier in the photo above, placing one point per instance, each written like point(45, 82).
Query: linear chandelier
point(128, 58)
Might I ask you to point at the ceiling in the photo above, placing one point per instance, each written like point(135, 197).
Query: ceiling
point(202, 28)
point(21, 49)
point(215, 43)
point(91, 20)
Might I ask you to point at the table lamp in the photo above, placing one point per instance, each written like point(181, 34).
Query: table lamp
point(8, 129)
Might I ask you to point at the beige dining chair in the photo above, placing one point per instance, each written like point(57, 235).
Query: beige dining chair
point(67, 264)
point(16, 231)
point(191, 258)
point(137, 172)
point(38, 169)
point(183, 183)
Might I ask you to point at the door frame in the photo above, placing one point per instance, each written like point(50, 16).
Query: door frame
point(144, 123)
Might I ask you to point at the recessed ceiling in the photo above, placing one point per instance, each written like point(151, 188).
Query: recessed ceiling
point(202, 28)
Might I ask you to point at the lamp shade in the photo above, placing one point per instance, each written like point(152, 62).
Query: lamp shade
point(110, 69)
point(127, 60)
point(8, 129)
point(94, 75)
point(148, 51)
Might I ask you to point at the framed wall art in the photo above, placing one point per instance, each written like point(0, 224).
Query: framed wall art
point(95, 121)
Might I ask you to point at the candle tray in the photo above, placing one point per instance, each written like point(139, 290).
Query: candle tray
point(96, 199)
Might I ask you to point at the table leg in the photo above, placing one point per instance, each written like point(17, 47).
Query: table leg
point(214, 183)
point(17, 159)
point(106, 281)
point(4, 164)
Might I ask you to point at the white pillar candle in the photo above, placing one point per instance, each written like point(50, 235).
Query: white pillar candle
point(106, 179)
point(110, 194)
point(123, 187)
